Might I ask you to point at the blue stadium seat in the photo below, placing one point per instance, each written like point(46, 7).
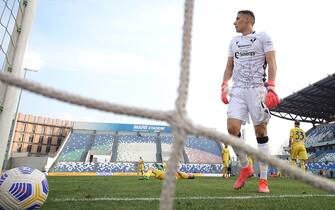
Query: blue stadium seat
point(75, 147)
point(128, 148)
point(321, 133)
point(203, 150)
point(103, 142)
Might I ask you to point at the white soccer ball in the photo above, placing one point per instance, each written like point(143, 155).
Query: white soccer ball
point(23, 188)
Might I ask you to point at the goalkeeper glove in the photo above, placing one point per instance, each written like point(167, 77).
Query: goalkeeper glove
point(272, 99)
point(224, 92)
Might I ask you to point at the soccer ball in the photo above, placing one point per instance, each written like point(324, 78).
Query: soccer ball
point(23, 188)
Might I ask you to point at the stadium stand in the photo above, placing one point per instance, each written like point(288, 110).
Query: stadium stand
point(76, 148)
point(166, 143)
point(121, 151)
point(197, 150)
point(202, 150)
point(315, 167)
point(103, 143)
point(74, 167)
point(202, 168)
point(330, 157)
point(109, 168)
point(131, 147)
point(118, 167)
point(322, 133)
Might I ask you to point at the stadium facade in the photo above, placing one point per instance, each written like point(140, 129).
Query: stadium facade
point(114, 149)
point(86, 148)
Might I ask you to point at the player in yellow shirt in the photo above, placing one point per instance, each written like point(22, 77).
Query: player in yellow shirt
point(297, 145)
point(159, 173)
point(225, 159)
point(140, 167)
point(250, 160)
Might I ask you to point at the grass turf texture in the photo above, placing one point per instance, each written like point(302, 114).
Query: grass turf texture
point(86, 189)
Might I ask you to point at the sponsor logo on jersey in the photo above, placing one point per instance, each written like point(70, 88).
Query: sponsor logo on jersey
point(242, 54)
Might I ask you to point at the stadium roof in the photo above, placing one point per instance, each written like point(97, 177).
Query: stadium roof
point(315, 103)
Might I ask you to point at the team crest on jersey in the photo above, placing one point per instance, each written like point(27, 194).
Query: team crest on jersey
point(246, 44)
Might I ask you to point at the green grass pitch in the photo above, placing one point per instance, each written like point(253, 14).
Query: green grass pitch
point(201, 193)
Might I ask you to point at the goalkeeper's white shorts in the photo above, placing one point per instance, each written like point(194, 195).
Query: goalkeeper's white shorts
point(248, 101)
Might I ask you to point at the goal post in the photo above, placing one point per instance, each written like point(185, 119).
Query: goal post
point(20, 17)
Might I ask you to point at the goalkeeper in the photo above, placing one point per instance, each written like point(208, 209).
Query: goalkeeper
point(252, 93)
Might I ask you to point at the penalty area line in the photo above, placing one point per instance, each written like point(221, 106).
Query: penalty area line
point(194, 198)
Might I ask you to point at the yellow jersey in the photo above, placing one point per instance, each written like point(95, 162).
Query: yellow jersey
point(250, 160)
point(159, 174)
point(297, 137)
point(141, 165)
point(225, 153)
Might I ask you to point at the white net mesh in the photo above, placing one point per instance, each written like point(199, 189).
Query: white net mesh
point(9, 10)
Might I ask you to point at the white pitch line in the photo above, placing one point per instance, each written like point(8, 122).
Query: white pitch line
point(194, 198)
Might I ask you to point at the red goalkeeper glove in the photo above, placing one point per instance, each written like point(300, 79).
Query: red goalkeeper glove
point(272, 99)
point(224, 92)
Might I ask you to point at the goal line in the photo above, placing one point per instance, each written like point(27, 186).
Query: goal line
point(193, 198)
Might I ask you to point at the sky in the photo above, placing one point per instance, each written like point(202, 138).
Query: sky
point(128, 52)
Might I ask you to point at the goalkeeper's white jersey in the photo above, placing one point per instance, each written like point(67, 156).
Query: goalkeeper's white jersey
point(249, 59)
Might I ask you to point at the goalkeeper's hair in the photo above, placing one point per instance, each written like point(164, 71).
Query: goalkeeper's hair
point(250, 13)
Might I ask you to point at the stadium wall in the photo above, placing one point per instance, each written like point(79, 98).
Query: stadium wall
point(33, 162)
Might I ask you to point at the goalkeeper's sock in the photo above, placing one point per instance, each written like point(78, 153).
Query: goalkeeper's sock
point(263, 167)
point(242, 156)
